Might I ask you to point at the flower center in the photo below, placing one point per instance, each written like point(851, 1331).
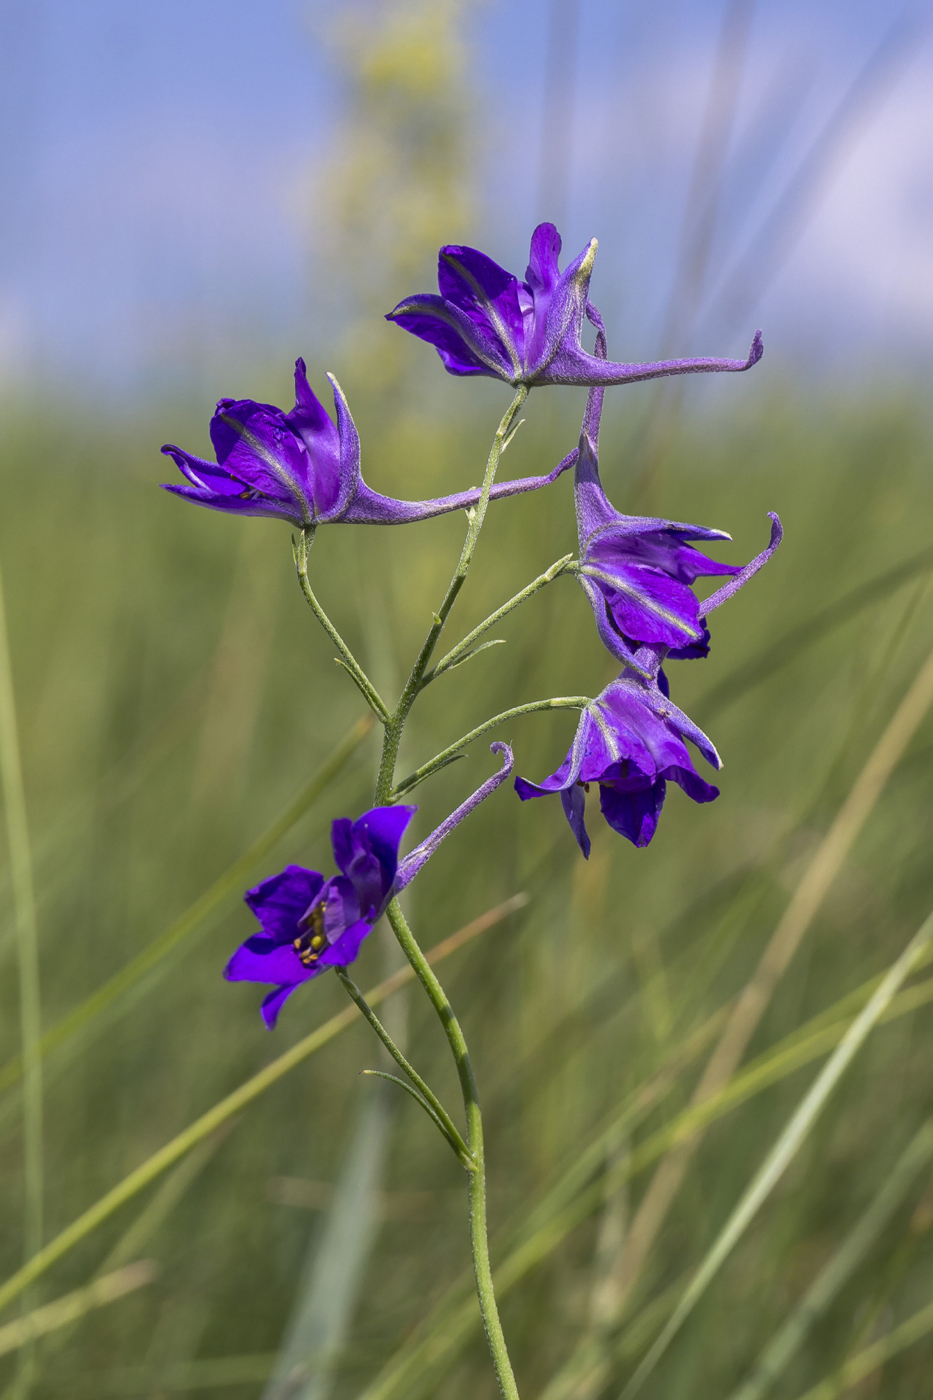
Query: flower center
point(311, 944)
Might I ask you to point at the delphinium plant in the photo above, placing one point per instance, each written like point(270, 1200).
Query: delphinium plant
point(637, 573)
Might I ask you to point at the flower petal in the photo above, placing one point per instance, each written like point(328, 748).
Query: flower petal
point(273, 1004)
point(255, 444)
point(310, 422)
point(647, 604)
point(281, 900)
point(367, 852)
point(486, 294)
point(542, 273)
point(340, 903)
point(346, 948)
point(692, 784)
point(633, 814)
point(450, 332)
point(609, 634)
point(573, 801)
point(261, 959)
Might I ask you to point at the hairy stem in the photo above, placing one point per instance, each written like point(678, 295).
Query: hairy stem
point(474, 1122)
point(348, 660)
point(394, 726)
point(445, 1122)
point(477, 514)
point(457, 652)
point(557, 702)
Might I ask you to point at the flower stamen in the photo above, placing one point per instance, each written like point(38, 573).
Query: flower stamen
point(310, 945)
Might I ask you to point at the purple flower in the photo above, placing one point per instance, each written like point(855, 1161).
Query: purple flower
point(309, 924)
point(630, 740)
point(486, 321)
point(301, 467)
point(638, 571)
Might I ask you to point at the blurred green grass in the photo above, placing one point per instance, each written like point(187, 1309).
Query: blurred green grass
point(174, 695)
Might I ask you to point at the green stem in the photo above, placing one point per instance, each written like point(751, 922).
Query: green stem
point(392, 735)
point(348, 660)
point(477, 1178)
point(395, 723)
point(445, 1122)
point(557, 702)
point(457, 653)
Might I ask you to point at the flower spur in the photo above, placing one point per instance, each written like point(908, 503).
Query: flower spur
point(302, 467)
point(486, 321)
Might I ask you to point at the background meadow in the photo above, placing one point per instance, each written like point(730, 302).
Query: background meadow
point(176, 704)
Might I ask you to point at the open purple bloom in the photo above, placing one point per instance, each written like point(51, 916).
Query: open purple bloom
point(638, 571)
point(302, 467)
point(630, 740)
point(309, 924)
point(486, 321)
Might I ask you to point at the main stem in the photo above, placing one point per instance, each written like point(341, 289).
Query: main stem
point(394, 726)
point(482, 1269)
point(477, 514)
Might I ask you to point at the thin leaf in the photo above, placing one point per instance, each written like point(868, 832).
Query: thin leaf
point(468, 655)
point(418, 1098)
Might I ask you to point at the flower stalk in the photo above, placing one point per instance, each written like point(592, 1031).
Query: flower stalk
point(476, 516)
point(638, 574)
point(424, 1094)
point(302, 548)
point(482, 1269)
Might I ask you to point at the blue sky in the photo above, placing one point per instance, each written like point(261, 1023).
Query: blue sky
point(156, 159)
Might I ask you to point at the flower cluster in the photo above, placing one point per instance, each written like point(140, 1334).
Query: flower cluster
point(639, 575)
point(638, 572)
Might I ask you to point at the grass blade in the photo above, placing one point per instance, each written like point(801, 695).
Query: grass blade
point(746, 1015)
point(785, 1149)
point(864, 1362)
point(24, 904)
point(184, 926)
point(317, 1332)
point(787, 1341)
point(74, 1305)
point(576, 1196)
point(796, 640)
point(234, 1103)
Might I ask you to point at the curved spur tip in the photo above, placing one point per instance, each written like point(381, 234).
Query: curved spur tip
point(756, 352)
point(508, 760)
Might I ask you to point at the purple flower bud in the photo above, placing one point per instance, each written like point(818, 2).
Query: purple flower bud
point(309, 924)
point(486, 321)
point(630, 740)
point(304, 468)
